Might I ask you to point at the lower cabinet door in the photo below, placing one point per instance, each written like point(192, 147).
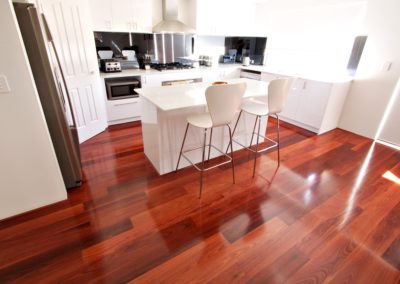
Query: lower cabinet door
point(292, 102)
point(313, 101)
point(127, 109)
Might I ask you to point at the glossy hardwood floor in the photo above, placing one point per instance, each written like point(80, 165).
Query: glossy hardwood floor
point(325, 215)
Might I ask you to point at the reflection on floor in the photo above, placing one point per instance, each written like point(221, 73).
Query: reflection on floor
point(326, 214)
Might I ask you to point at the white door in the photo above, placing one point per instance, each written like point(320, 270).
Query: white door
point(70, 25)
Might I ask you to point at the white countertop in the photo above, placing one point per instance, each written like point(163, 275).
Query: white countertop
point(139, 72)
point(169, 98)
point(316, 76)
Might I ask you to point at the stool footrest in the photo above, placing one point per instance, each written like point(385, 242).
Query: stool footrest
point(209, 168)
point(275, 144)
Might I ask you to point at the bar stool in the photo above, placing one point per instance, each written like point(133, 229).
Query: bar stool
point(278, 90)
point(223, 101)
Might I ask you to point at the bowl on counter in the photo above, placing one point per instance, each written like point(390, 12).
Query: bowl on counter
point(219, 83)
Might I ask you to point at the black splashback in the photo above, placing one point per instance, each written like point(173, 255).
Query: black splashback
point(247, 46)
point(142, 43)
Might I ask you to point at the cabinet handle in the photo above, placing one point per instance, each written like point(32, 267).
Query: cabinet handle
point(123, 104)
point(304, 84)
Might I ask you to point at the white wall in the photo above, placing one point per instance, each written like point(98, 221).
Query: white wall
point(373, 86)
point(390, 129)
point(29, 172)
point(305, 36)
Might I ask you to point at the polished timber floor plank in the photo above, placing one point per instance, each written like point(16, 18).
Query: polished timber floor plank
point(326, 215)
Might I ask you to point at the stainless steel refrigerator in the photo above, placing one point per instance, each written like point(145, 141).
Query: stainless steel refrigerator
point(52, 92)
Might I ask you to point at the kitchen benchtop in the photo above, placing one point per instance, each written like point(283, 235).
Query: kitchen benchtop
point(139, 72)
point(175, 97)
point(316, 76)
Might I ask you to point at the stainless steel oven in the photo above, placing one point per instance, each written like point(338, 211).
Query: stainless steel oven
point(122, 87)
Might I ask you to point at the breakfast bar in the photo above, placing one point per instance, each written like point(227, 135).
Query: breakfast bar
point(164, 111)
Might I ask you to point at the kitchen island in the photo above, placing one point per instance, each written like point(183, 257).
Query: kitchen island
point(164, 111)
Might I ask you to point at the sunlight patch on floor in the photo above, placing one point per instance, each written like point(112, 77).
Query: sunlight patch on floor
point(392, 177)
point(351, 201)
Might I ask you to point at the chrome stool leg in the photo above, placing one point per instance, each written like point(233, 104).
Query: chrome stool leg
point(256, 152)
point(202, 162)
point(183, 143)
point(234, 129)
point(209, 145)
point(277, 132)
point(254, 129)
point(230, 142)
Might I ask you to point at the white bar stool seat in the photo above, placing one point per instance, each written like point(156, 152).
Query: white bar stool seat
point(255, 107)
point(278, 90)
point(200, 120)
point(223, 101)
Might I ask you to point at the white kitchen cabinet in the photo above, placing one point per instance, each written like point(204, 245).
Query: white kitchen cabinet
point(315, 105)
point(124, 110)
point(143, 15)
point(211, 75)
point(225, 18)
point(101, 15)
point(220, 74)
point(121, 111)
point(312, 104)
point(292, 102)
point(268, 77)
point(229, 73)
point(313, 98)
point(122, 15)
point(151, 80)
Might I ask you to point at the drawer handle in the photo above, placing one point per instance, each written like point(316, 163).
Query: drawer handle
point(123, 104)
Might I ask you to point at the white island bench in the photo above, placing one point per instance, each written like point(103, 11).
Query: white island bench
point(164, 111)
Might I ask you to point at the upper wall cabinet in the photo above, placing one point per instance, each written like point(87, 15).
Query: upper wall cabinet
point(225, 18)
point(122, 15)
point(101, 15)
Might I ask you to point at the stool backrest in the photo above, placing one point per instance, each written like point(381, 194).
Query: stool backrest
point(223, 101)
point(278, 91)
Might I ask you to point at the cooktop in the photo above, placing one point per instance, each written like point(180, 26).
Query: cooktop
point(169, 66)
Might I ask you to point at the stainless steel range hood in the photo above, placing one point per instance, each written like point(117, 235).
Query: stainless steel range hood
point(170, 22)
point(172, 47)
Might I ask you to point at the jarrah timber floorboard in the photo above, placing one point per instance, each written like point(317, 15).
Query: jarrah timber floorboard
point(326, 215)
